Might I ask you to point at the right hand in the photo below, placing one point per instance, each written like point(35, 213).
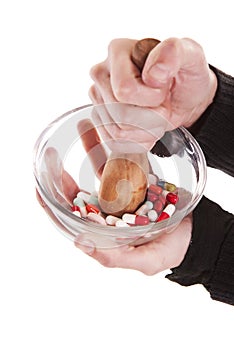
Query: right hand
point(176, 82)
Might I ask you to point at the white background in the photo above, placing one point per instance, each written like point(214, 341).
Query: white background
point(53, 296)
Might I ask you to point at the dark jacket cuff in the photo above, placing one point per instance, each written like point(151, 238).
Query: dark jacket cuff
point(210, 257)
point(214, 130)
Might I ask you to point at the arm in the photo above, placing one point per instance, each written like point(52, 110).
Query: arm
point(215, 129)
point(210, 257)
point(176, 82)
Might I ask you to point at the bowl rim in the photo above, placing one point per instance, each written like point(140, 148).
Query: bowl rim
point(132, 230)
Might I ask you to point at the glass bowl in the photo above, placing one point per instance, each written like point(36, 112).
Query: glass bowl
point(62, 166)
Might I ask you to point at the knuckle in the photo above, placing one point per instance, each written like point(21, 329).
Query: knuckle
point(113, 43)
point(125, 90)
point(97, 71)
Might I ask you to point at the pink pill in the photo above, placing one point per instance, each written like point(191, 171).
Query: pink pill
point(152, 197)
point(155, 189)
point(158, 206)
point(142, 220)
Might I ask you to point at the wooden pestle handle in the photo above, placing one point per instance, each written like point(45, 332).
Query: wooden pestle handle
point(125, 176)
point(141, 50)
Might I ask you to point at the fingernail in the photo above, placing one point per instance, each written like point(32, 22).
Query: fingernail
point(87, 246)
point(159, 72)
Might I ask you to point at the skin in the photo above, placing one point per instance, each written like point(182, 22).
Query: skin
point(175, 83)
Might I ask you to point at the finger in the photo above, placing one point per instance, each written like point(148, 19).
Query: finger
point(69, 187)
point(51, 214)
point(101, 76)
point(142, 258)
point(126, 80)
point(60, 181)
point(92, 145)
point(171, 56)
point(101, 126)
point(167, 251)
point(108, 125)
point(95, 96)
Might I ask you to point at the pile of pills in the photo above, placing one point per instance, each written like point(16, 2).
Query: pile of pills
point(160, 204)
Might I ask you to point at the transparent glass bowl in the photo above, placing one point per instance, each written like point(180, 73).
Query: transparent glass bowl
point(60, 161)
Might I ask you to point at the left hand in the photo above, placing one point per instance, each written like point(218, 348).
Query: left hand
point(165, 252)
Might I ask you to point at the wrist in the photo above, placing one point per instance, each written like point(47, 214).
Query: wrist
point(207, 101)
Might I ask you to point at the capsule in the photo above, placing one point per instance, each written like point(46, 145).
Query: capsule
point(121, 223)
point(144, 208)
point(79, 205)
point(170, 187)
point(155, 189)
point(167, 186)
point(152, 179)
point(93, 200)
point(167, 212)
point(75, 208)
point(78, 202)
point(152, 215)
point(111, 220)
point(162, 199)
point(98, 219)
point(172, 198)
point(77, 213)
point(158, 206)
point(151, 197)
point(133, 219)
point(91, 208)
point(161, 183)
point(81, 210)
point(84, 195)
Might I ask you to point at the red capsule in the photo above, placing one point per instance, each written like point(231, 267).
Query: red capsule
point(91, 208)
point(158, 206)
point(163, 216)
point(167, 212)
point(155, 189)
point(172, 198)
point(75, 208)
point(133, 219)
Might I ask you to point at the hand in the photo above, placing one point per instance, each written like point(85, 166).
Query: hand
point(58, 182)
point(165, 252)
point(176, 83)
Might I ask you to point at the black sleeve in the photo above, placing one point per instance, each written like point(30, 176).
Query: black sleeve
point(214, 130)
point(210, 257)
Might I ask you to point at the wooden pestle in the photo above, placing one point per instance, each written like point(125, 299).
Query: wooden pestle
point(125, 176)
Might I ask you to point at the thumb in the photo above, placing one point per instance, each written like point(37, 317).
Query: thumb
point(169, 57)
